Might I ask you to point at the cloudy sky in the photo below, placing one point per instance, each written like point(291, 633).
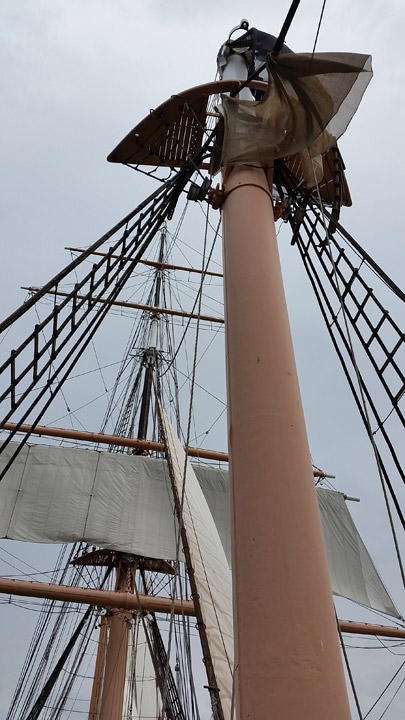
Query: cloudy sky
point(76, 75)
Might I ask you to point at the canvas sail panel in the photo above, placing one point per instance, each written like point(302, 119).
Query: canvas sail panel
point(141, 698)
point(211, 570)
point(123, 502)
point(352, 572)
point(309, 103)
point(119, 502)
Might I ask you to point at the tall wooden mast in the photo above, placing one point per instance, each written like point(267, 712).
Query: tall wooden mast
point(287, 657)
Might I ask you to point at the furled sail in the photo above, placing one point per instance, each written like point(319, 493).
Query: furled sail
point(309, 102)
point(123, 502)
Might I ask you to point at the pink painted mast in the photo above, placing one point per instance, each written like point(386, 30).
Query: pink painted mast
point(287, 655)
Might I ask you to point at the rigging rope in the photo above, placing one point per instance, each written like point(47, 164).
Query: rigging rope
point(392, 699)
point(349, 671)
point(37, 638)
point(179, 502)
point(24, 693)
point(384, 691)
point(197, 301)
point(186, 640)
point(53, 677)
point(317, 244)
point(319, 26)
point(361, 251)
point(70, 356)
point(361, 391)
point(77, 261)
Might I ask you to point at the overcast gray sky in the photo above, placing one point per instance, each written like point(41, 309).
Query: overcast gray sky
point(76, 75)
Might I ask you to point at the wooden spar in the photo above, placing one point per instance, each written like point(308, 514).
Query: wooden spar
point(112, 440)
point(150, 445)
point(137, 306)
point(358, 628)
point(150, 603)
point(103, 598)
point(275, 517)
point(152, 263)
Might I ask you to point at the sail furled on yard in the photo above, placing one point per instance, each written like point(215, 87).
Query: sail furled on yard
point(123, 502)
point(308, 105)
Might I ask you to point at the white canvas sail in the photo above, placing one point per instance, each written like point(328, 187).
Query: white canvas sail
point(123, 502)
point(141, 701)
point(211, 569)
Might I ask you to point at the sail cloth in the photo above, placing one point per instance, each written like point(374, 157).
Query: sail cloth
point(141, 697)
point(309, 103)
point(123, 502)
point(212, 574)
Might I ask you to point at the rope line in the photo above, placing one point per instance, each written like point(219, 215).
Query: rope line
point(349, 671)
point(319, 26)
point(361, 391)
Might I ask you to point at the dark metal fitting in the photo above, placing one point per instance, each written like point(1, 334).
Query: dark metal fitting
point(216, 197)
point(198, 192)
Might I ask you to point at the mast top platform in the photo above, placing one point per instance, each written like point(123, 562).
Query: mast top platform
point(173, 133)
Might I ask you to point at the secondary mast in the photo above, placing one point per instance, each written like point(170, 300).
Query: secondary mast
point(151, 352)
